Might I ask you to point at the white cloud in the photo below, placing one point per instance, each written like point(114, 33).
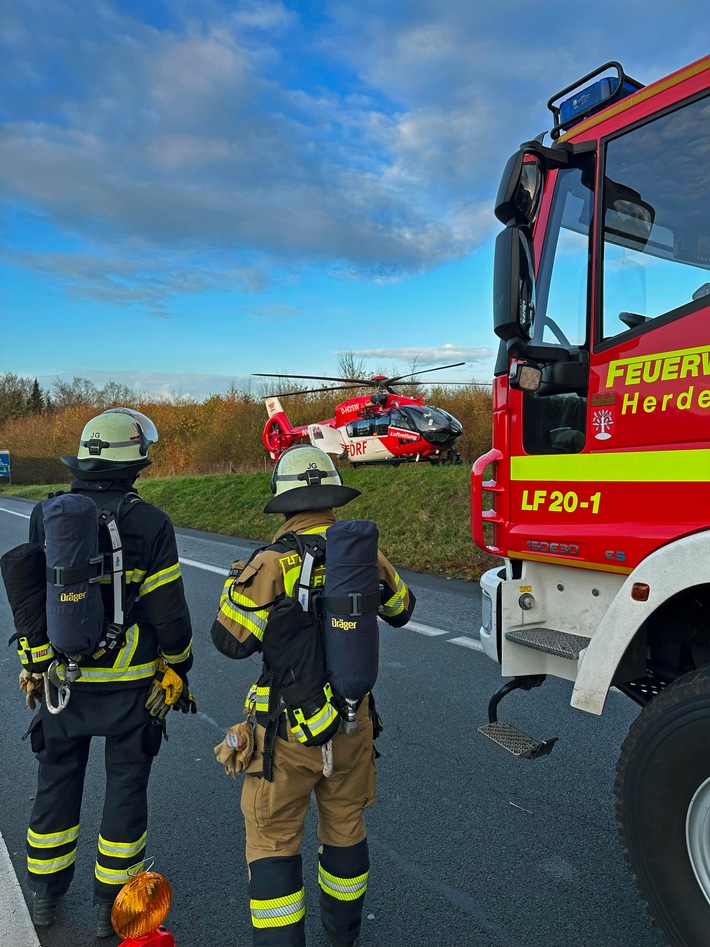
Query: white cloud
point(367, 141)
point(430, 356)
point(170, 386)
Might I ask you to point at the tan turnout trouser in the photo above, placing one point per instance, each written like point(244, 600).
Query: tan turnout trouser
point(275, 812)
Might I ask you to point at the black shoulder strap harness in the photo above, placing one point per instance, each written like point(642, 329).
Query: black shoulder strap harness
point(311, 549)
point(114, 634)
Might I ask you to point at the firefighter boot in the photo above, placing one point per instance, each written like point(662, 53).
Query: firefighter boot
point(104, 927)
point(44, 909)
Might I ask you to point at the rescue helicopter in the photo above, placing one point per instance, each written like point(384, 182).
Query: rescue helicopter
point(379, 428)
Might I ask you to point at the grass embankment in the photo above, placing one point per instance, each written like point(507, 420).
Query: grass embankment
point(423, 512)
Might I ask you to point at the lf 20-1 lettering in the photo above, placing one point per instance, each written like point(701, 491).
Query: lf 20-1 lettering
point(557, 501)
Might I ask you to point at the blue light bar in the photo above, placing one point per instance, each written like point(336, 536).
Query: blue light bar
point(587, 100)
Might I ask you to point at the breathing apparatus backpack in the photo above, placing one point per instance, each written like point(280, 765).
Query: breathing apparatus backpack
point(54, 592)
point(349, 612)
point(323, 649)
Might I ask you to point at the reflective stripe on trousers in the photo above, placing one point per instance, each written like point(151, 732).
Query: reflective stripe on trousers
point(277, 902)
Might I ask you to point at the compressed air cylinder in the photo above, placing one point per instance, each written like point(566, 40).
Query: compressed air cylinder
point(75, 610)
point(351, 600)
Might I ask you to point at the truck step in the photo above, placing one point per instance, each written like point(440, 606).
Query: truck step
point(561, 643)
point(515, 742)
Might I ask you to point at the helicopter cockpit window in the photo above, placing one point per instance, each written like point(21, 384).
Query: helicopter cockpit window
point(398, 419)
point(434, 424)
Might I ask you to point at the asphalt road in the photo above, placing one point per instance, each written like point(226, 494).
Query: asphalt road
point(469, 848)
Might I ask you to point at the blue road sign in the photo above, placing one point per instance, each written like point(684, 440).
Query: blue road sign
point(4, 463)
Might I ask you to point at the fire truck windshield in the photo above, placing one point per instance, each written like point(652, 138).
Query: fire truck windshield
point(666, 162)
point(561, 316)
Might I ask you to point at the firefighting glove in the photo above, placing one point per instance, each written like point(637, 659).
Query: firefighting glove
point(185, 703)
point(31, 686)
point(235, 751)
point(165, 691)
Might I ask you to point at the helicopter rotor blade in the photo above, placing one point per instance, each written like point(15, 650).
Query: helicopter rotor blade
point(467, 384)
point(312, 391)
point(360, 381)
point(439, 368)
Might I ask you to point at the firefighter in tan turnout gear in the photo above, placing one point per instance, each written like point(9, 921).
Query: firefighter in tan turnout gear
point(143, 660)
point(290, 761)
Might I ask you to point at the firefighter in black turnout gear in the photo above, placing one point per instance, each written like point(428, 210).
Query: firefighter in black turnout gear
point(108, 699)
point(325, 745)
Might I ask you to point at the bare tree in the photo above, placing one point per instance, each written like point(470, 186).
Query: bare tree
point(79, 392)
point(15, 392)
point(114, 394)
point(351, 367)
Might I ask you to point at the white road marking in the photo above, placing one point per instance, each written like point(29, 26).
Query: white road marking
point(25, 516)
point(204, 565)
point(425, 629)
point(473, 643)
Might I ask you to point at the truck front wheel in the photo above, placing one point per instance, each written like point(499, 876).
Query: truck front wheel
point(663, 807)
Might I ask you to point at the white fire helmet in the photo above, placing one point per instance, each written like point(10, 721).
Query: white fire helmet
point(114, 443)
point(305, 478)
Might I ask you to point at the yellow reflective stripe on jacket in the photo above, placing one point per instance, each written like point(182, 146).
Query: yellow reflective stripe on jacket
point(121, 670)
point(52, 839)
point(126, 653)
point(177, 658)
point(47, 866)
point(132, 577)
point(106, 675)
point(112, 876)
point(395, 604)
point(644, 466)
point(344, 889)
point(255, 622)
point(155, 581)
point(40, 652)
point(291, 564)
point(320, 720)
point(122, 849)
point(258, 699)
point(278, 912)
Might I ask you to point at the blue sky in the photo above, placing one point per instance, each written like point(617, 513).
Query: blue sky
point(194, 191)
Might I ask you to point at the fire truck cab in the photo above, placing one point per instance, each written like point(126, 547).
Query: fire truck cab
point(596, 492)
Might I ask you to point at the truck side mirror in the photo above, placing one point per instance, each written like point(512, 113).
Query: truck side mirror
point(514, 284)
point(520, 190)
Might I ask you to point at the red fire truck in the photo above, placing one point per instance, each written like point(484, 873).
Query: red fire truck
point(596, 492)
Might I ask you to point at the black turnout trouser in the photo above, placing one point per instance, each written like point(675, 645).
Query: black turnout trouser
point(61, 744)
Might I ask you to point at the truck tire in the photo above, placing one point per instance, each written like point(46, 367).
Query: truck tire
point(663, 807)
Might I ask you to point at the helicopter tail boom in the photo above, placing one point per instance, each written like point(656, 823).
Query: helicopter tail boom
point(279, 434)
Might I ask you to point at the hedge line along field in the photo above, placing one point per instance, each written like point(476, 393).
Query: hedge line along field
point(422, 512)
point(219, 435)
